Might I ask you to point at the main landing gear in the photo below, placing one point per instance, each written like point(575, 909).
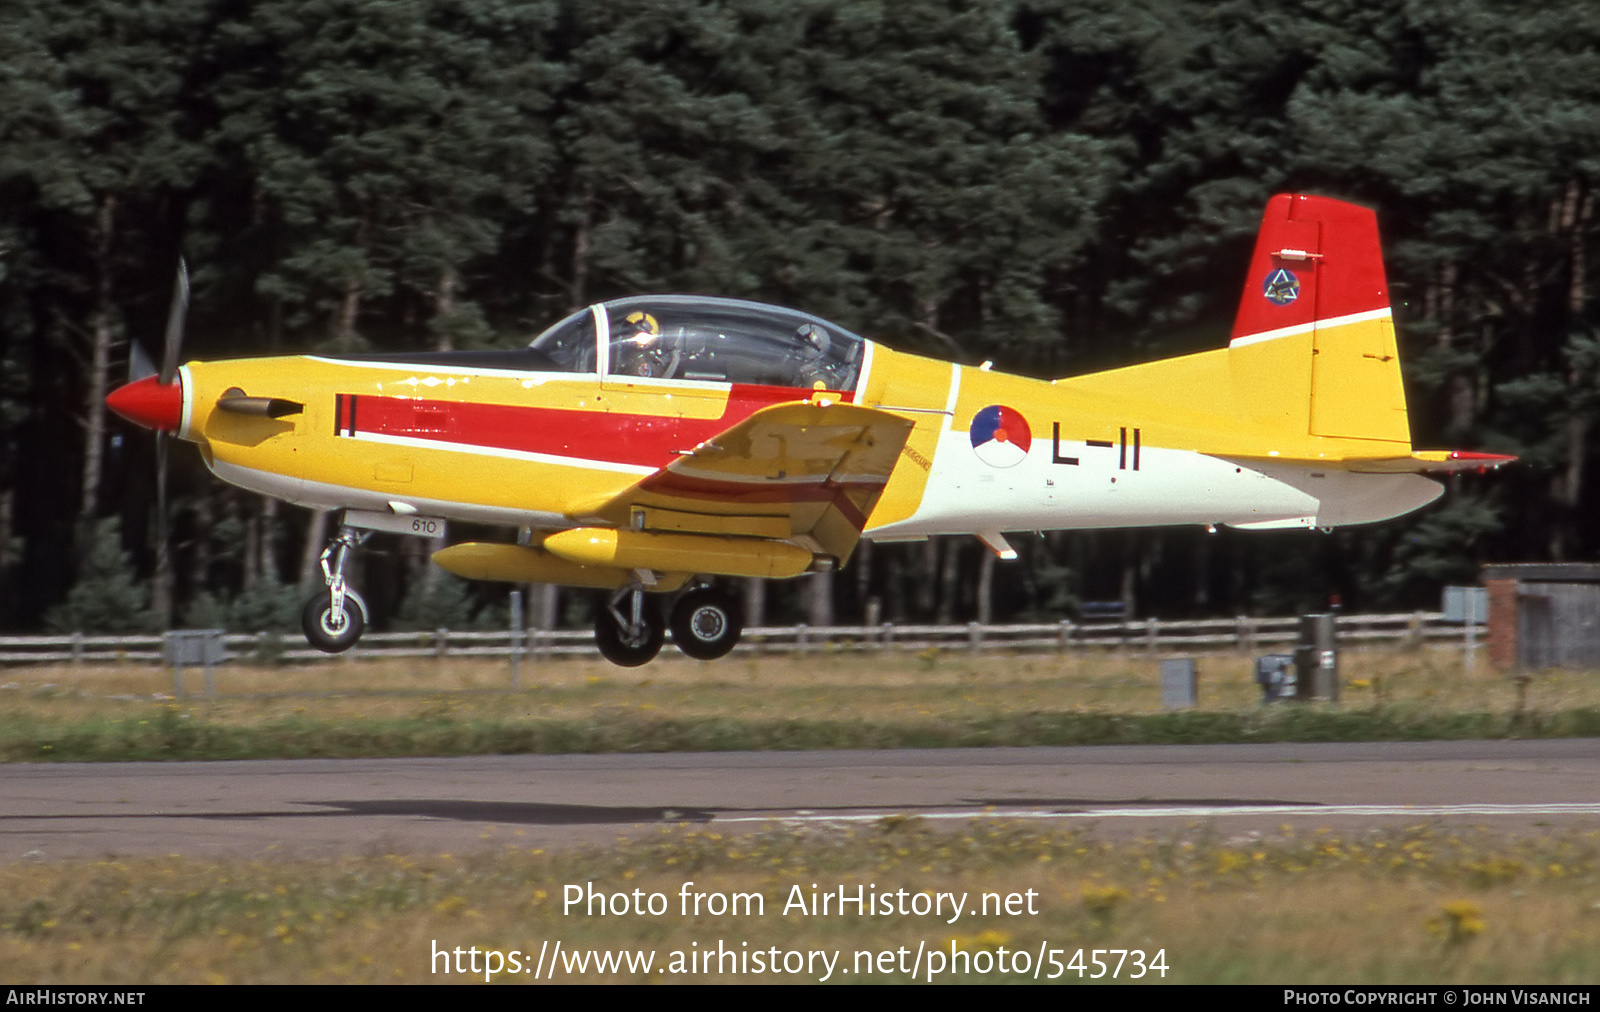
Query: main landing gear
point(334, 619)
point(706, 623)
point(628, 630)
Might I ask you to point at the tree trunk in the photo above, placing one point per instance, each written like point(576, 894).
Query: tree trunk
point(863, 567)
point(316, 538)
point(1129, 582)
point(819, 599)
point(986, 587)
point(6, 497)
point(349, 312)
point(200, 560)
point(928, 579)
point(250, 551)
point(444, 306)
point(544, 601)
point(755, 601)
point(270, 570)
point(102, 332)
point(580, 250)
point(895, 583)
point(950, 581)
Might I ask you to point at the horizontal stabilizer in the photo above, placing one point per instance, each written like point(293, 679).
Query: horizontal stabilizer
point(1428, 461)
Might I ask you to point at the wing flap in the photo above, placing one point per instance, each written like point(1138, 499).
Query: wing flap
point(805, 472)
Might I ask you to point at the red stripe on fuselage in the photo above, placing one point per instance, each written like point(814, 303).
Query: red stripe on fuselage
point(613, 436)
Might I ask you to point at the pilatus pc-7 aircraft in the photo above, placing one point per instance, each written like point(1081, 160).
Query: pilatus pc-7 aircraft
point(645, 445)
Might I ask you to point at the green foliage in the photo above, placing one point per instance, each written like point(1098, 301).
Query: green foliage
point(105, 596)
point(1441, 548)
point(269, 606)
point(444, 601)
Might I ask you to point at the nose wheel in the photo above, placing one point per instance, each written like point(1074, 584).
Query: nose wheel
point(706, 623)
point(333, 629)
point(632, 635)
point(335, 618)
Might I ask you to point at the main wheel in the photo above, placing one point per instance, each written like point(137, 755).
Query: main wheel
point(331, 632)
point(706, 623)
point(618, 647)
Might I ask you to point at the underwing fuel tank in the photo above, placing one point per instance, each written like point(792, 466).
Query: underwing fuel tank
point(480, 560)
point(678, 553)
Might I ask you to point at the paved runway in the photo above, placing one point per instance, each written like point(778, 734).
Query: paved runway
point(317, 808)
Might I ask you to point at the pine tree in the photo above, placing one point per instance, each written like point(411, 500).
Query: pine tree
point(106, 597)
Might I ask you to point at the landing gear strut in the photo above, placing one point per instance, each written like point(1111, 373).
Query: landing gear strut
point(333, 620)
point(632, 635)
point(706, 623)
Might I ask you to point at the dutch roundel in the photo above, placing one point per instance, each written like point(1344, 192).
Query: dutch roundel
point(1000, 436)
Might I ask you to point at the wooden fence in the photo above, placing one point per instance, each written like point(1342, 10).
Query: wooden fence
point(1243, 635)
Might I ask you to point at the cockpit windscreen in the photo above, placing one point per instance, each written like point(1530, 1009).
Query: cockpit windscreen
point(729, 341)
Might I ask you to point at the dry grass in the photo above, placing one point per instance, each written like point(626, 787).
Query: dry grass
point(825, 700)
point(1414, 906)
point(861, 686)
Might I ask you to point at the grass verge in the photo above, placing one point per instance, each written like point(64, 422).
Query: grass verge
point(453, 707)
point(178, 733)
point(1417, 906)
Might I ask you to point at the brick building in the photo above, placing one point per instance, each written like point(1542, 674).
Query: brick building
point(1544, 615)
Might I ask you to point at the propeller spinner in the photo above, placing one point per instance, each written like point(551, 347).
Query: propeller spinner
point(154, 400)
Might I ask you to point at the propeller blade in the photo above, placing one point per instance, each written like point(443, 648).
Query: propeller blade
point(175, 319)
point(139, 364)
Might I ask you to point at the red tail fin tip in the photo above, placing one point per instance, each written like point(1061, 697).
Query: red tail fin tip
point(1316, 259)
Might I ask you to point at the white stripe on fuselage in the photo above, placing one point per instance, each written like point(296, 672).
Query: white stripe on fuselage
point(419, 443)
point(966, 495)
point(323, 495)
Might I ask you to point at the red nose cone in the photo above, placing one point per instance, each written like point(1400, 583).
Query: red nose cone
point(148, 403)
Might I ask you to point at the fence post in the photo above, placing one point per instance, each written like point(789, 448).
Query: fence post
point(441, 643)
point(1064, 635)
point(802, 641)
point(974, 636)
point(77, 648)
point(1152, 631)
point(888, 636)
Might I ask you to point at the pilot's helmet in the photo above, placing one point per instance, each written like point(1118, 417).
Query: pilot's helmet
point(814, 340)
point(640, 326)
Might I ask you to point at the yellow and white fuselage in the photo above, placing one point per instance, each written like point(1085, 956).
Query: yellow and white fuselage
point(659, 438)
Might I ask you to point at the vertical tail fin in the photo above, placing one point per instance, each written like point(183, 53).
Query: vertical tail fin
point(1313, 343)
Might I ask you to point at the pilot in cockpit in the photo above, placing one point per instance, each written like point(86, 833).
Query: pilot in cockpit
point(812, 367)
point(641, 350)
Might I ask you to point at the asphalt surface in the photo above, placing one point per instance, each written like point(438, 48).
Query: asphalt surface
point(322, 808)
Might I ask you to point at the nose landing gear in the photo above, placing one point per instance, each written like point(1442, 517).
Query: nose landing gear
point(334, 620)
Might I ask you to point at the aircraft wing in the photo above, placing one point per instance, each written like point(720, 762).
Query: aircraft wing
point(805, 472)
